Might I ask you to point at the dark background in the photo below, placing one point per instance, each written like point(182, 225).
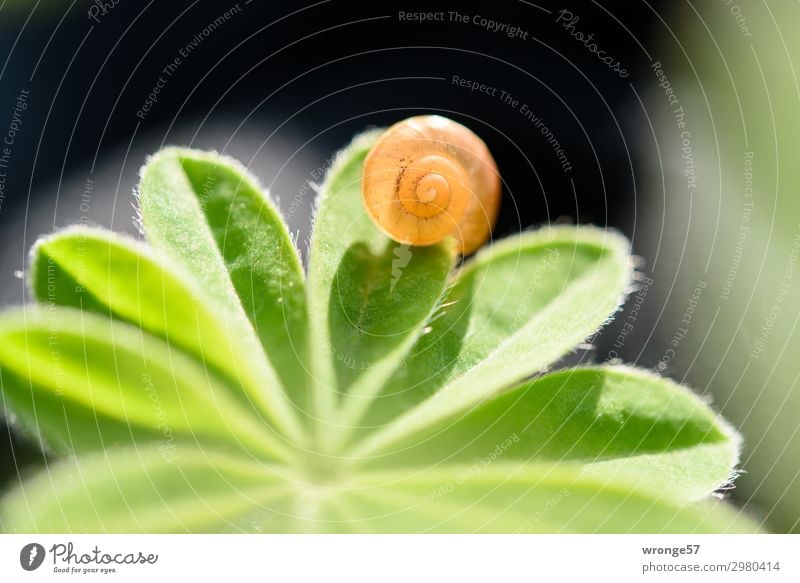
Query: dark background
point(283, 85)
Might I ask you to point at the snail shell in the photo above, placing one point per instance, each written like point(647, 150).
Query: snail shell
point(428, 177)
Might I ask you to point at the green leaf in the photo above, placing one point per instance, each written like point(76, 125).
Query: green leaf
point(528, 301)
point(138, 490)
point(95, 270)
point(77, 381)
point(506, 497)
point(369, 296)
point(614, 420)
point(207, 213)
point(371, 317)
point(177, 379)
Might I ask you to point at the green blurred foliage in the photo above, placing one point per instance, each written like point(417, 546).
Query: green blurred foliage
point(732, 67)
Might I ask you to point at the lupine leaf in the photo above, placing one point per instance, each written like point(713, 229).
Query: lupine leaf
point(138, 490)
point(615, 420)
point(170, 379)
point(507, 497)
point(369, 295)
point(530, 300)
point(207, 213)
point(77, 381)
point(95, 270)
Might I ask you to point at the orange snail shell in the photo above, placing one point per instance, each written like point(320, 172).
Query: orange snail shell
point(428, 177)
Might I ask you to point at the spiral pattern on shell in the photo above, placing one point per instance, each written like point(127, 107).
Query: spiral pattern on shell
point(428, 177)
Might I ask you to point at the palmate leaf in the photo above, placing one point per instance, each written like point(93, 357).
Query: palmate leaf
point(389, 394)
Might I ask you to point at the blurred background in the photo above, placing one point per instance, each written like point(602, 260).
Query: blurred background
point(677, 124)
